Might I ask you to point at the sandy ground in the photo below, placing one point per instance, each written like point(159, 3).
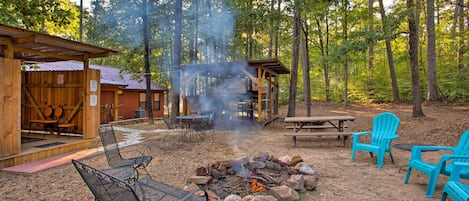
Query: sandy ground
point(175, 161)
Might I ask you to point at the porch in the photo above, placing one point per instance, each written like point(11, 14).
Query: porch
point(39, 145)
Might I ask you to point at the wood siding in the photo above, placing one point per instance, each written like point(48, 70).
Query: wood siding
point(45, 89)
point(10, 93)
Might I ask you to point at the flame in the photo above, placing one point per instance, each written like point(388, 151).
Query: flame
point(256, 186)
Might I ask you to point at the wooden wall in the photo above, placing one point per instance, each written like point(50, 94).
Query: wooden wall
point(48, 88)
point(92, 103)
point(10, 93)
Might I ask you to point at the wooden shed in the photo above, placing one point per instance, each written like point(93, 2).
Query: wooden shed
point(246, 90)
point(122, 95)
point(78, 92)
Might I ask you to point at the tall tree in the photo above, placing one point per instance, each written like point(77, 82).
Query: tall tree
point(432, 93)
point(371, 43)
point(146, 57)
point(295, 58)
point(176, 65)
point(276, 47)
point(413, 52)
point(272, 27)
point(392, 71)
point(305, 63)
point(345, 8)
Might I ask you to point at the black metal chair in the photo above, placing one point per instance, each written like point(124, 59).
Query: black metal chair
point(107, 187)
point(207, 126)
point(113, 153)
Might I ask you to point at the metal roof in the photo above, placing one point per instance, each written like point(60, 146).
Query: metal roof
point(271, 65)
point(34, 46)
point(109, 75)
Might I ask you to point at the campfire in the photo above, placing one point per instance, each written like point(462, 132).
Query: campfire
point(265, 175)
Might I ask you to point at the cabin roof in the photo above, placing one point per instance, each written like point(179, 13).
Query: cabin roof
point(39, 47)
point(272, 65)
point(109, 75)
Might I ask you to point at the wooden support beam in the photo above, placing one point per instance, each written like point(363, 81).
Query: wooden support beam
point(74, 112)
point(25, 39)
point(34, 103)
point(249, 75)
point(48, 54)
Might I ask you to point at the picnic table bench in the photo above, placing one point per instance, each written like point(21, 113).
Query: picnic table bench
point(318, 122)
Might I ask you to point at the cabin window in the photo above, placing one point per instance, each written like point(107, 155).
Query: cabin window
point(142, 103)
point(156, 101)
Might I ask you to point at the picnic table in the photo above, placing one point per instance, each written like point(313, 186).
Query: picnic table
point(316, 124)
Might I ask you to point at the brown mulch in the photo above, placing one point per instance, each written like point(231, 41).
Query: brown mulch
point(175, 161)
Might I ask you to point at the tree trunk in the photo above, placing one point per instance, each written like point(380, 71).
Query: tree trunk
point(272, 27)
point(413, 51)
point(345, 35)
point(392, 72)
point(324, 55)
point(277, 29)
point(294, 68)
point(193, 43)
point(148, 97)
point(306, 67)
point(371, 48)
point(432, 94)
point(175, 74)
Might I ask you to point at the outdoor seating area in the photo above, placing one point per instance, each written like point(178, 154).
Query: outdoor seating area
point(52, 121)
point(108, 187)
point(445, 165)
point(234, 100)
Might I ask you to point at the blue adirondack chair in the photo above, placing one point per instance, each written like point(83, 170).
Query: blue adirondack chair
point(384, 130)
point(445, 164)
point(454, 187)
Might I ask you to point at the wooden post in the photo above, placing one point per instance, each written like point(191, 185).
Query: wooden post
point(10, 106)
point(91, 100)
point(259, 96)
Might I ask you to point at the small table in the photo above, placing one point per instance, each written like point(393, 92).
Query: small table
point(48, 123)
point(337, 122)
point(191, 123)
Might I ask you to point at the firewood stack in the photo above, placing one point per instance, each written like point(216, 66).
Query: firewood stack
point(273, 178)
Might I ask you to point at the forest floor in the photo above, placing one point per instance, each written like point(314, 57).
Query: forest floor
point(339, 179)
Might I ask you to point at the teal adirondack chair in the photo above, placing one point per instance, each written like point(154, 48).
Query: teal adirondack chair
point(384, 130)
point(454, 187)
point(445, 164)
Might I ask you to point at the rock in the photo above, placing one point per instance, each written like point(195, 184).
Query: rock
point(307, 169)
point(256, 165)
point(311, 182)
point(295, 160)
point(297, 182)
point(200, 179)
point(201, 171)
point(259, 198)
point(273, 166)
point(212, 196)
point(191, 187)
point(263, 157)
point(285, 193)
point(285, 159)
point(232, 197)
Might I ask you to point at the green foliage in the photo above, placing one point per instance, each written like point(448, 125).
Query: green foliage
point(56, 17)
point(117, 24)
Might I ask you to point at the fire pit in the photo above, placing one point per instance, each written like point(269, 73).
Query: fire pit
point(265, 175)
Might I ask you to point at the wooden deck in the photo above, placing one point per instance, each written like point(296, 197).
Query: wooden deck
point(48, 146)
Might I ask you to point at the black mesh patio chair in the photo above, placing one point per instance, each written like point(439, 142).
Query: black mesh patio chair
point(106, 187)
point(206, 128)
point(113, 153)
